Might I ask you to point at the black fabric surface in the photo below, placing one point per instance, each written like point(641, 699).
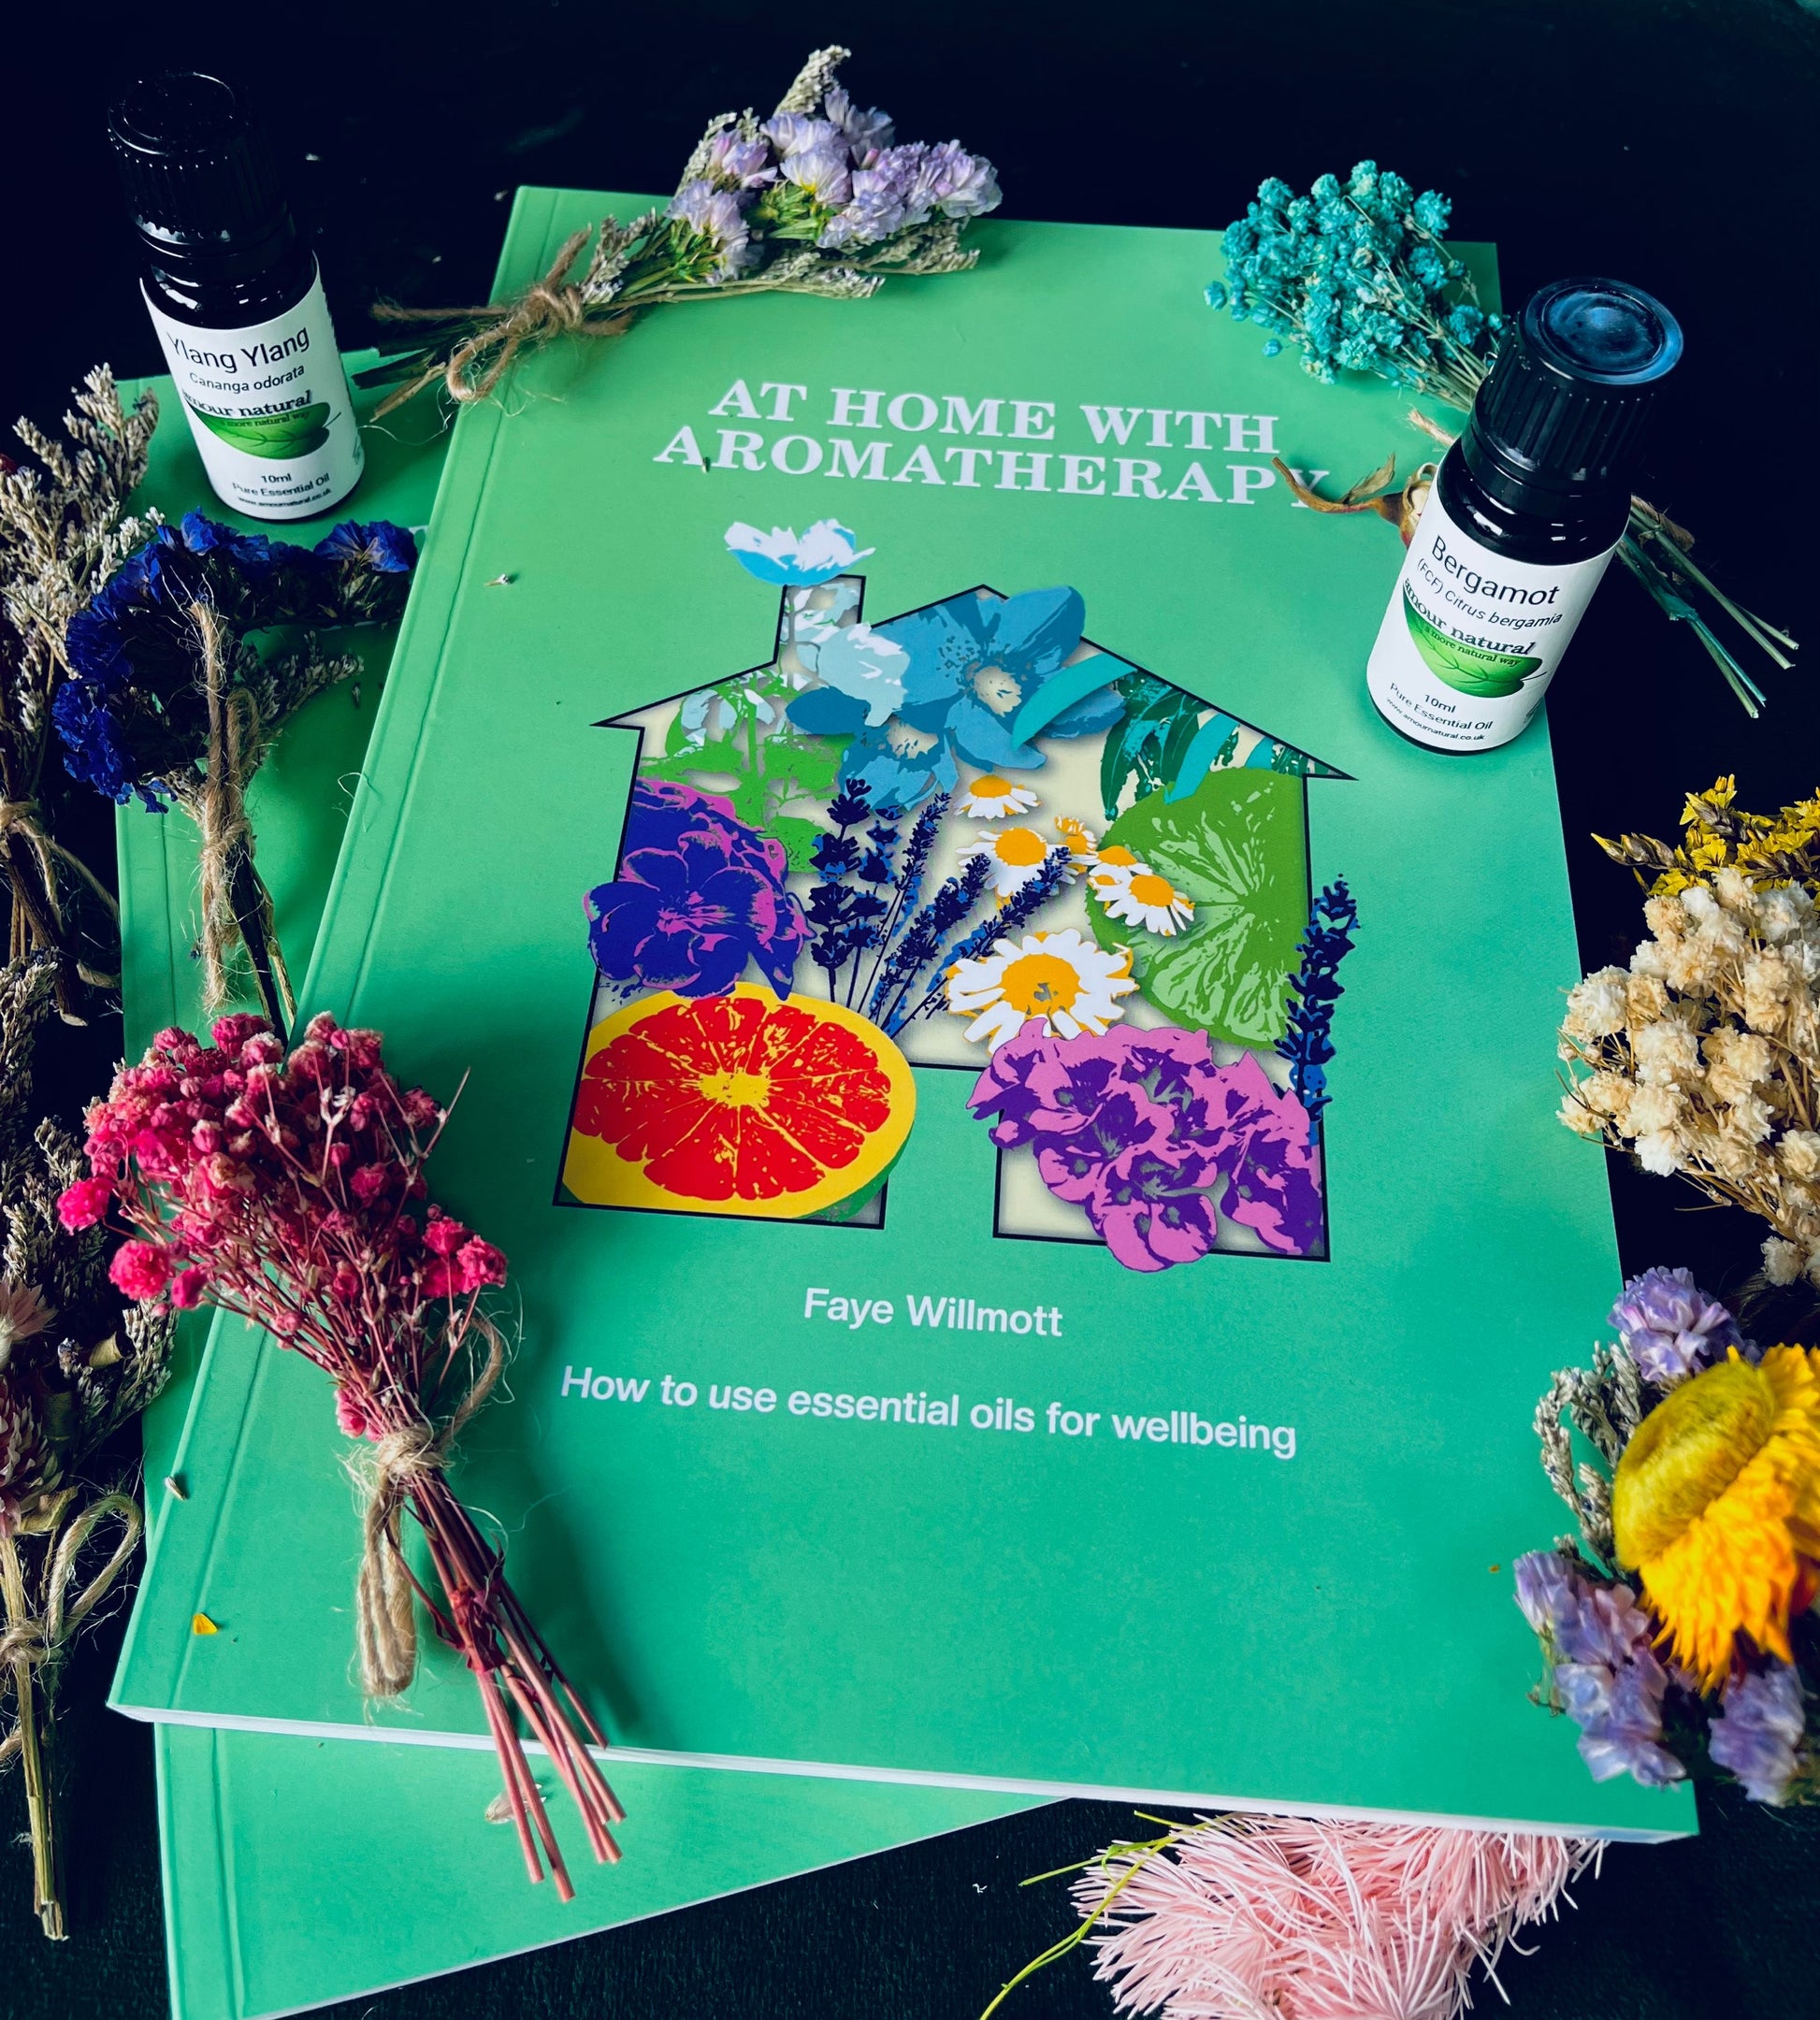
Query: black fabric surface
point(1670, 141)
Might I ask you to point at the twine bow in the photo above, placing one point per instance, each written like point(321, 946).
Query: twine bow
point(394, 1468)
point(553, 305)
point(30, 1641)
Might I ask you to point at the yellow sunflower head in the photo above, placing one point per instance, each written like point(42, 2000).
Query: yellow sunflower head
point(1716, 1505)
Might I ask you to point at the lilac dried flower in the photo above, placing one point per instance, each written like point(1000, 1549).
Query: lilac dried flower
point(1672, 1329)
point(867, 134)
point(715, 214)
point(1759, 1733)
point(1605, 1673)
point(823, 174)
point(734, 164)
point(795, 133)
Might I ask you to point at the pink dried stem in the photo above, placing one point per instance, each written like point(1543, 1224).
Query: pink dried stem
point(284, 1195)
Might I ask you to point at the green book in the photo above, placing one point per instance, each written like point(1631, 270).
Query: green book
point(268, 1840)
point(1045, 1393)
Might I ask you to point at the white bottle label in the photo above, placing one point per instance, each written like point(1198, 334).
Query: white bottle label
point(1471, 639)
point(269, 409)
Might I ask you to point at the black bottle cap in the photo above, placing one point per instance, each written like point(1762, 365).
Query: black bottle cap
point(1560, 420)
point(199, 175)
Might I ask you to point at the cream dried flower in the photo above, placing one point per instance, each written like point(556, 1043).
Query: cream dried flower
point(1646, 997)
point(1659, 1151)
point(1667, 916)
point(1732, 888)
point(1748, 1117)
point(1598, 1006)
point(1653, 1108)
point(1665, 1050)
point(1784, 912)
point(1579, 1117)
point(1799, 1153)
point(1782, 1260)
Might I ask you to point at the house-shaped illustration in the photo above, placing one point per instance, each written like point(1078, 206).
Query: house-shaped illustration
point(964, 854)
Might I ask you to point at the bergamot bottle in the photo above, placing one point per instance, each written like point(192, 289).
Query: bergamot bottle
point(1525, 515)
point(236, 299)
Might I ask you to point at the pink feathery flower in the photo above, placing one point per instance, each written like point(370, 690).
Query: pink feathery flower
point(1321, 1921)
point(140, 1269)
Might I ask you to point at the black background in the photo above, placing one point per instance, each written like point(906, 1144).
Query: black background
point(1670, 141)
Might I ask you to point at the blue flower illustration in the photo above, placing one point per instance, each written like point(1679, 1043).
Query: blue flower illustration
point(972, 663)
point(827, 549)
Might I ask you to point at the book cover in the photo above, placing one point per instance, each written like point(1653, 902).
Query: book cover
point(854, 804)
point(257, 1829)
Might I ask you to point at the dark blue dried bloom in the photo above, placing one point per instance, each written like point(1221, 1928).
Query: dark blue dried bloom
point(253, 552)
point(377, 544)
point(93, 751)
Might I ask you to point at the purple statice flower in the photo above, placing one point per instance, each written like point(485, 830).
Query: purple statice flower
point(699, 894)
point(1606, 1673)
point(877, 209)
point(1759, 1733)
point(823, 174)
point(795, 133)
point(1672, 1329)
point(1153, 1139)
point(715, 214)
point(734, 164)
point(867, 134)
point(956, 183)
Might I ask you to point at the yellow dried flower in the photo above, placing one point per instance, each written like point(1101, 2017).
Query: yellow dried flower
point(1715, 1505)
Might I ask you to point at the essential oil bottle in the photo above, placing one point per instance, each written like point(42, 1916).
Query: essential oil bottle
point(1526, 512)
point(236, 299)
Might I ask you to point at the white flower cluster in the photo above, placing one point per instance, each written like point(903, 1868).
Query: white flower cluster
point(1705, 1057)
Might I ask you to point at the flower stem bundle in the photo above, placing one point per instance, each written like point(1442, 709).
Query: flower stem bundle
point(1357, 275)
point(75, 1364)
point(814, 200)
point(168, 700)
point(290, 1191)
point(1702, 1057)
point(62, 529)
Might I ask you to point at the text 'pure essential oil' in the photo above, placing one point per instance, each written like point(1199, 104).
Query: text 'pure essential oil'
point(236, 299)
point(1526, 512)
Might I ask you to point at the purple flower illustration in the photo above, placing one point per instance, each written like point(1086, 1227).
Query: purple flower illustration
point(1145, 1133)
point(699, 895)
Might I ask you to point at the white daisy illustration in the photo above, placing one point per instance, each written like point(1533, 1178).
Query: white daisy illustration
point(992, 798)
point(1142, 898)
point(1061, 977)
point(1017, 855)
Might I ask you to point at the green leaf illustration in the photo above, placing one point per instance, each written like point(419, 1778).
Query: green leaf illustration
point(278, 438)
point(1479, 670)
point(1237, 846)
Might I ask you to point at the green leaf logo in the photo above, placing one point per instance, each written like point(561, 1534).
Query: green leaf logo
point(277, 438)
point(1479, 670)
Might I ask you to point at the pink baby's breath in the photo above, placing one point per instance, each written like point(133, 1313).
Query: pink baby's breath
point(277, 1188)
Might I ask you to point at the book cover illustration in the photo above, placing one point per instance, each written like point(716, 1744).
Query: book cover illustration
point(967, 837)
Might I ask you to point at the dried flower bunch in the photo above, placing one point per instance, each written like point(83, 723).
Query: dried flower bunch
point(1258, 1916)
point(1675, 1622)
point(818, 199)
point(169, 697)
point(1358, 276)
point(1703, 1055)
point(290, 1191)
point(64, 528)
point(76, 1362)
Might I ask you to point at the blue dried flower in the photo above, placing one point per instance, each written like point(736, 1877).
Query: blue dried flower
point(1672, 1329)
point(378, 544)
